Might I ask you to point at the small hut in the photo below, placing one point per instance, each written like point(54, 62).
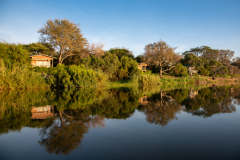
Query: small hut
point(42, 61)
point(143, 67)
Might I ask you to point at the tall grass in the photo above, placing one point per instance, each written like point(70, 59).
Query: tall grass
point(145, 79)
point(19, 77)
point(153, 79)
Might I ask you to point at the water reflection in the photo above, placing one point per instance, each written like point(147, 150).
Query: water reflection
point(161, 109)
point(210, 101)
point(42, 112)
point(65, 135)
point(64, 117)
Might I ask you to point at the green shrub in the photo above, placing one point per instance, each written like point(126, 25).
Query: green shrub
point(14, 55)
point(180, 70)
point(148, 79)
point(75, 77)
point(204, 72)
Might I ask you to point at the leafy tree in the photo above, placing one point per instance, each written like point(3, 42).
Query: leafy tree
point(64, 36)
point(14, 54)
point(121, 52)
point(111, 64)
point(205, 52)
point(191, 60)
point(139, 58)
point(217, 68)
point(127, 68)
point(204, 72)
point(40, 48)
point(179, 70)
point(226, 56)
point(162, 55)
point(96, 49)
point(210, 54)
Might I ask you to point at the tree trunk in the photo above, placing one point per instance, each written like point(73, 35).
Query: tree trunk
point(61, 118)
point(60, 56)
point(160, 72)
point(214, 76)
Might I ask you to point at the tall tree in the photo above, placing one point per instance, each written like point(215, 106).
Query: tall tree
point(226, 56)
point(121, 52)
point(40, 48)
point(204, 52)
point(217, 68)
point(161, 55)
point(139, 58)
point(96, 49)
point(64, 36)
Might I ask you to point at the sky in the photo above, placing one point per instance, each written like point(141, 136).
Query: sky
point(131, 24)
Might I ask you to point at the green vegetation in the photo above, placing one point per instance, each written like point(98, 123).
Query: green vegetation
point(20, 77)
point(15, 70)
point(14, 55)
point(74, 77)
point(81, 64)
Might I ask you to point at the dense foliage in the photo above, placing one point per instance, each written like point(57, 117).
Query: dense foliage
point(72, 76)
point(14, 55)
point(115, 68)
point(19, 77)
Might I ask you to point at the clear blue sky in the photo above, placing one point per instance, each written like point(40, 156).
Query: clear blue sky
point(131, 24)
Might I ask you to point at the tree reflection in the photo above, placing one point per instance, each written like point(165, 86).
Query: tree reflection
point(79, 110)
point(161, 109)
point(210, 101)
point(66, 134)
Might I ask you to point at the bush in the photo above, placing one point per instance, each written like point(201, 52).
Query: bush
point(75, 77)
point(148, 79)
point(180, 70)
point(14, 55)
point(205, 72)
point(20, 77)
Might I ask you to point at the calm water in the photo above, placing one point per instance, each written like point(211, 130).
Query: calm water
point(124, 123)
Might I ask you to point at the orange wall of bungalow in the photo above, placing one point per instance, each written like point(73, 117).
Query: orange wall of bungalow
point(41, 61)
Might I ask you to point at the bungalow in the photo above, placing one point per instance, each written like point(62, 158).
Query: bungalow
point(42, 60)
point(143, 66)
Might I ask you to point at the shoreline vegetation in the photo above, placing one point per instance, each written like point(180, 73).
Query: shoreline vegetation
point(80, 64)
point(77, 77)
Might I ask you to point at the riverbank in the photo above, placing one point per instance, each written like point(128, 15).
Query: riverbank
point(175, 81)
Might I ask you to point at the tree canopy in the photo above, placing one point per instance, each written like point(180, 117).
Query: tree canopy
point(64, 36)
point(161, 55)
point(39, 48)
point(121, 52)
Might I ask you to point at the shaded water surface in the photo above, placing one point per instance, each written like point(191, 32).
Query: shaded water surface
point(123, 123)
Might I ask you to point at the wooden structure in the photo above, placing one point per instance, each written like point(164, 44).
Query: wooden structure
point(143, 66)
point(42, 61)
point(42, 112)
